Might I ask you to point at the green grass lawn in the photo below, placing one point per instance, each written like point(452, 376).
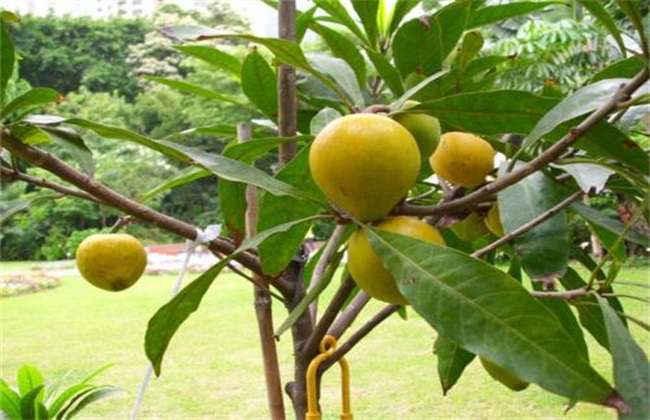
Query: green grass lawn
point(213, 369)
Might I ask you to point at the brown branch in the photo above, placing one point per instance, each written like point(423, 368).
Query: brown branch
point(114, 199)
point(348, 316)
point(566, 295)
point(358, 335)
point(530, 224)
point(287, 101)
point(548, 156)
point(10, 174)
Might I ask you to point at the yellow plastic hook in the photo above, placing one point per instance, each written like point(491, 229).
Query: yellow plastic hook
point(327, 347)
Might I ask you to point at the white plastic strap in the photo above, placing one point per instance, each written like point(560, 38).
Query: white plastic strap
point(202, 236)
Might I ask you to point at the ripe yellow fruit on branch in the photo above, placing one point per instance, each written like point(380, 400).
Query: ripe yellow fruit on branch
point(502, 375)
point(366, 267)
point(493, 220)
point(365, 164)
point(111, 261)
point(463, 159)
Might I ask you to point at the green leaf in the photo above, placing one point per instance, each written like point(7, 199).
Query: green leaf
point(632, 8)
point(597, 9)
point(493, 14)
point(213, 130)
point(234, 170)
point(612, 225)
point(29, 101)
point(253, 149)
point(339, 71)
point(490, 314)
point(29, 378)
point(214, 57)
point(386, 71)
point(339, 14)
point(7, 60)
point(68, 394)
point(7, 16)
point(631, 367)
point(195, 90)
point(544, 249)
point(581, 102)
point(367, 12)
point(303, 21)
point(320, 120)
point(13, 207)
point(29, 402)
point(259, 83)
point(185, 176)
point(232, 204)
point(471, 45)
point(9, 401)
point(587, 175)
point(276, 252)
point(71, 141)
point(89, 397)
point(451, 20)
point(627, 68)
point(417, 47)
point(589, 315)
point(452, 361)
point(166, 321)
point(398, 13)
point(344, 49)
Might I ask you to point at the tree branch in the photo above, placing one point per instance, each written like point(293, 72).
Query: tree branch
point(12, 175)
point(566, 295)
point(349, 315)
point(358, 335)
point(548, 156)
point(287, 101)
point(110, 197)
point(530, 224)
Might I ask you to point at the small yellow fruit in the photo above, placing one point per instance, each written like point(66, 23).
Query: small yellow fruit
point(504, 376)
point(111, 261)
point(365, 164)
point(463, 159)
point(493, 221)
point(367, 269)
point(424, 128)
point(470, 228)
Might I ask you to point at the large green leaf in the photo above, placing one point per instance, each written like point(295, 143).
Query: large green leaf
point(255, 148)
point(185, 176)
point(451, 20)
point(214, 57)
point(367, 12)
point(544, 249)
point(417, 47)
point(88, 397)
point(303, 21)
point(7, 60)
point(344, 49)
point(582, 101)
point(493, 14)
point(627, 68)
point(339, 70)
point(31, 404)
point(397, 14)
point(29, 101)
point(632, 8)
point(490, 314)
point(452, 360)
point(195, 90)
point(589, 315)
point(67, 395)
point(29, 378)
point(276, 252)
point(612, 225)
point(631, 367)
point(386, 71)
point(259, 83)
point(597, 9)
point(71, 141)
point(340, 15)
point(9, 401)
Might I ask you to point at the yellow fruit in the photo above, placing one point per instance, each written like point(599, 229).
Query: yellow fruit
point(504, 376)
point(470, 228)
point(463, 159)
point(493, 220)
point(365, 164)
point(111, 261)
point(367, 269)
point(424, 128)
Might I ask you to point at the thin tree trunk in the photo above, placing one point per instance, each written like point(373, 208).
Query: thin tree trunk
point(262, 302)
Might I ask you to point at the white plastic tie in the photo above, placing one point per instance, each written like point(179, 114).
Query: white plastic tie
point(202, 236)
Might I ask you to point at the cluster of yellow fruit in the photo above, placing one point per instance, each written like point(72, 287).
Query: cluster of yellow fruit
point(366, 163)
point(111, 261)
